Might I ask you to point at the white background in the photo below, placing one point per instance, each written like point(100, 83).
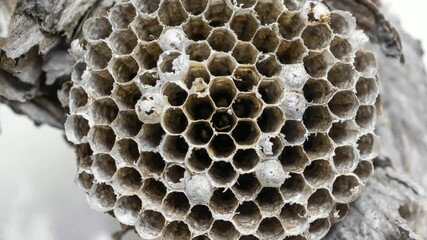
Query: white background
point(38, 198)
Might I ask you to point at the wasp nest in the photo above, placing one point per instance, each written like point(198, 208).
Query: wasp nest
point(214, 119)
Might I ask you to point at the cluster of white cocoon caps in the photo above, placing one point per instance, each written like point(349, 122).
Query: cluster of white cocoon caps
point(223, 119)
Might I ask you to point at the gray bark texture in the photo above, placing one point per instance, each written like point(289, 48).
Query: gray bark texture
point(35, 66)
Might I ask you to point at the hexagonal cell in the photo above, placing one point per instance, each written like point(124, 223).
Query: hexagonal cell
point(150, 135)
point(219, 12)
point(245, 53)
point(126, 151)
point(222, 229)
point(368, 146)
point(103, 111)
point(364, 170)
point(367, 90)
point(200, 218)
point(319, 173)
point(176, 230)
point(247, 105)
point(176, 94)
point(124, 69)
point(222, 173)
point(152, 193)
point(199, 160)
point(199, 133)
point(150, 224)
point(122, 15)
point(266, 40)
point(127, 209)
point(271, 119)
point(346, 188)
point(268, 65)
point(340, 212)
point(127, 180)
point(294, 131)
point(318, 146)
point(78, 70)
point(317, 91)
point(317, 36)
point(146, 6)
point(102, 198)
point(151, 164)
point(197, 29)
point(126, 95)
point(195, 7)
point(291, 24)
point(244, 24)
point(246, 132)
point(293, 158)
point(126, 124)
point(85, 181)
point(247, 186)
point(196, 72)
point(221, 64)
point(246, 159)
point(317, 64)
point(222, 146)
point(171, 13)
point(345, 159)
point(247, 217)
point(341, 48)
point(147, 54)
point(223, 120)
point(174, 121)
point(269, 11)
point(176, 205)
point(99, 83)
point(77, 128)
point(271, 90)
point(340, 23)
point(175, 148)
point(103, 168)
point(199, 108)
point(294, 105)
point(317, 118)
point(271, 146)
point(269, 200)
point(320, 204)
point(293, 76)
point(365, 63)
point(98, 55)
point(344, 132)
point(101, 138)
point(342, 76)
point(319, 228)
point(270, 173)
point(174, 175)
point(291, 52)
point(222, 92)
point(223, 202)
point(222, 40)
point(122, 42)
point(344, 104)
point(198, 51)
point(97, 28)
point(146, 27)
point(270, 228)
point(293, 216)
point(84, 156)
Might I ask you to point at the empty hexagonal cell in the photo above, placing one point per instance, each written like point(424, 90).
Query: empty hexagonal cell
point(266, 40)
point(102, 198)
point(317, 118)
point(150, 224)
point(344, 132)
point(293, 216)
point(222, 173)
point(246, 132)
point(150, 135)
point(78, 70)
point(341, 48)
point(103, 111)
point(269, 200)
point(98, 55)
point(222, 146)
point(84, 156)
point(99, 83)
point(223, 202)
point(104, 167)
point(122, 42)
point(77, 128)
point(171, 13)
point(316, 36)
point(200, 218)
point(291, 52)
point(147, 54)
point(367, 90)
point(270, 228)
point(291, 24)
point(146, 6)
point(346, 158)
point(364, 169)
point(247, 106)
point(198, 51)
point(271, 119)
point(271, 90)
point(247, 217)
point(221, 64)
point(293, 158)
point(294, 131)
point(101, 138)
point(340, 23)
point(317, 64)
point(127, 180)
point(317, 91)
point(368, 146)
point(175, 148)
point(195, 73)
point(124, 69)
point(319, 228)
point(195, 7)
point(174, 121)
point(127, 209)
point(222, 40)
point(199, 133)
point(176, 94)
point(126, 151)
point(319, 173)
point(126, 95)
point(318, 146)
point(85, 181)
point(269, 11)
point(346, 188)
point(199, 108)
point(222, 229)
point(197, 29)
point(126, 124)
point(152, 193)
point(245, 53)
point(342, 75)
point(247, 186)
point(246, 159)
point(340, 212)
point(174, 175)
point(268, 65)
point(146, 27)
point(320, 204)
point(222, 92)
point(97, 28)
point(151, 164)
point(365, 63)
point(199, 160)
point(219, 12)
point(122, 15)
point(244, 24)
point(344, 104)
point(270, 146)
point(295, 187)
point(223, 120)
point(176, 205)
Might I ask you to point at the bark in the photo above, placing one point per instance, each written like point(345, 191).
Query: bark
point(35, 67)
